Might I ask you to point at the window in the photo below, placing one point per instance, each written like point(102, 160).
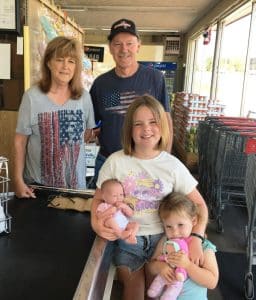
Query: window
point(226, 73)
point(232, 61)
point(248, 106)
point(203, 62)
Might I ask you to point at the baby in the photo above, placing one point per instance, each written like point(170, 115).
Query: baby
point(113, 195)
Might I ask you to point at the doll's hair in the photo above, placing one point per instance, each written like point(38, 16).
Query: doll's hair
point(159, 115)
point(110, 181)
point(177, 203)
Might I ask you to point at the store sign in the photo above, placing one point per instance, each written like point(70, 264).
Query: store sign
point(162, 66)
point(94, 53)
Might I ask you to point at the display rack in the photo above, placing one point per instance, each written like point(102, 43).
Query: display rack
point(5, 218)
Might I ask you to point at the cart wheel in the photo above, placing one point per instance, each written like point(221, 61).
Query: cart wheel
point(220, 228)
point(248, 286)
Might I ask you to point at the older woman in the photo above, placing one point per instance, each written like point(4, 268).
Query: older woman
point(53, 118)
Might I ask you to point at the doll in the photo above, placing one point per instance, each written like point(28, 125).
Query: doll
point(113, 195)
point(172, 290)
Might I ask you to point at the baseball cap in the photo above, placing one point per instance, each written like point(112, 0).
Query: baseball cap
point(123, 25)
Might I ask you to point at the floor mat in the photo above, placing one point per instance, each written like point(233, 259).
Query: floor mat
point(233, 267)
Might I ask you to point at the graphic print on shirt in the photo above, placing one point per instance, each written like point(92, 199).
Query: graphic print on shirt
point(61, 137)
point(118, 102)
point(143, 192)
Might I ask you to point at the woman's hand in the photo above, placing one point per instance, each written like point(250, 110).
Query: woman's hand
point(24, 191)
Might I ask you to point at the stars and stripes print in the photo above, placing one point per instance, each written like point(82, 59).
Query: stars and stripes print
point(118, 102)
point(61, 135)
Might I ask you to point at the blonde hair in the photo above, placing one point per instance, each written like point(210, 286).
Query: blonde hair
point(177, 203)
point(158, 113)
point(62, 46)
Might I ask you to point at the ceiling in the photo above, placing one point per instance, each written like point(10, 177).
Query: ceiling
point(151, 16)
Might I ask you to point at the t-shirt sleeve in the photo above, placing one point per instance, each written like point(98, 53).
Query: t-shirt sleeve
point(93, 93)
point(24, 116)
point(89, 112)
point(184, 180)
point(106, 171)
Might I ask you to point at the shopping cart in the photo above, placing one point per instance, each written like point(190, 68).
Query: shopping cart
point(207, 139)
point(250, 190)
point(230, 172)
point(203, 131)
point(222, 163)
point(212, 138)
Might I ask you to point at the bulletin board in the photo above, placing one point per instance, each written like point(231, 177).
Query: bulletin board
point(45, 21)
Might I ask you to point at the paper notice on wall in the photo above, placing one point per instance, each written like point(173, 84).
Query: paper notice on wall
point(5, 61)
point(19, 45)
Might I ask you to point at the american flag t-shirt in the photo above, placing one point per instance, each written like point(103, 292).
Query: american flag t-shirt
point(118, 102)
point(61, 135)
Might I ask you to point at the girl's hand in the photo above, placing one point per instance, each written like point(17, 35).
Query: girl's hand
point(179, 259)
point(99, 224)
point(196, 254)
point(168, 273)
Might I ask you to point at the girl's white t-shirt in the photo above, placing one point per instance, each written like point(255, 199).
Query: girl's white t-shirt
point(146, 182)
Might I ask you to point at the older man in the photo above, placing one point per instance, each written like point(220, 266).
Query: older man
point(113, 91)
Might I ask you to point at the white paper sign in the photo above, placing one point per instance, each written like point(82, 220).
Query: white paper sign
point(7, 14)
point(5, 61)
point(19, 45)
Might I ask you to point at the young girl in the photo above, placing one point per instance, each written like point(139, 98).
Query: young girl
point(148, 173)
point(113, 196)
point(179, 215)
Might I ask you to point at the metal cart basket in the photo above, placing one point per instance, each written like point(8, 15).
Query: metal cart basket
point(223, 161)
point(250, 189)
point(5, 218)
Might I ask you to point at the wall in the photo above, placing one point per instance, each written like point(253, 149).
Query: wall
point(11, 91)
point(47, 23)
point(146, 53)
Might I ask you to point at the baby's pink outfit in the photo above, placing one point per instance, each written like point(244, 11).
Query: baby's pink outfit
point(119, 217)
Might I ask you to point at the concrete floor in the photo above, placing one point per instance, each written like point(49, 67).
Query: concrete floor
point(233, 239)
